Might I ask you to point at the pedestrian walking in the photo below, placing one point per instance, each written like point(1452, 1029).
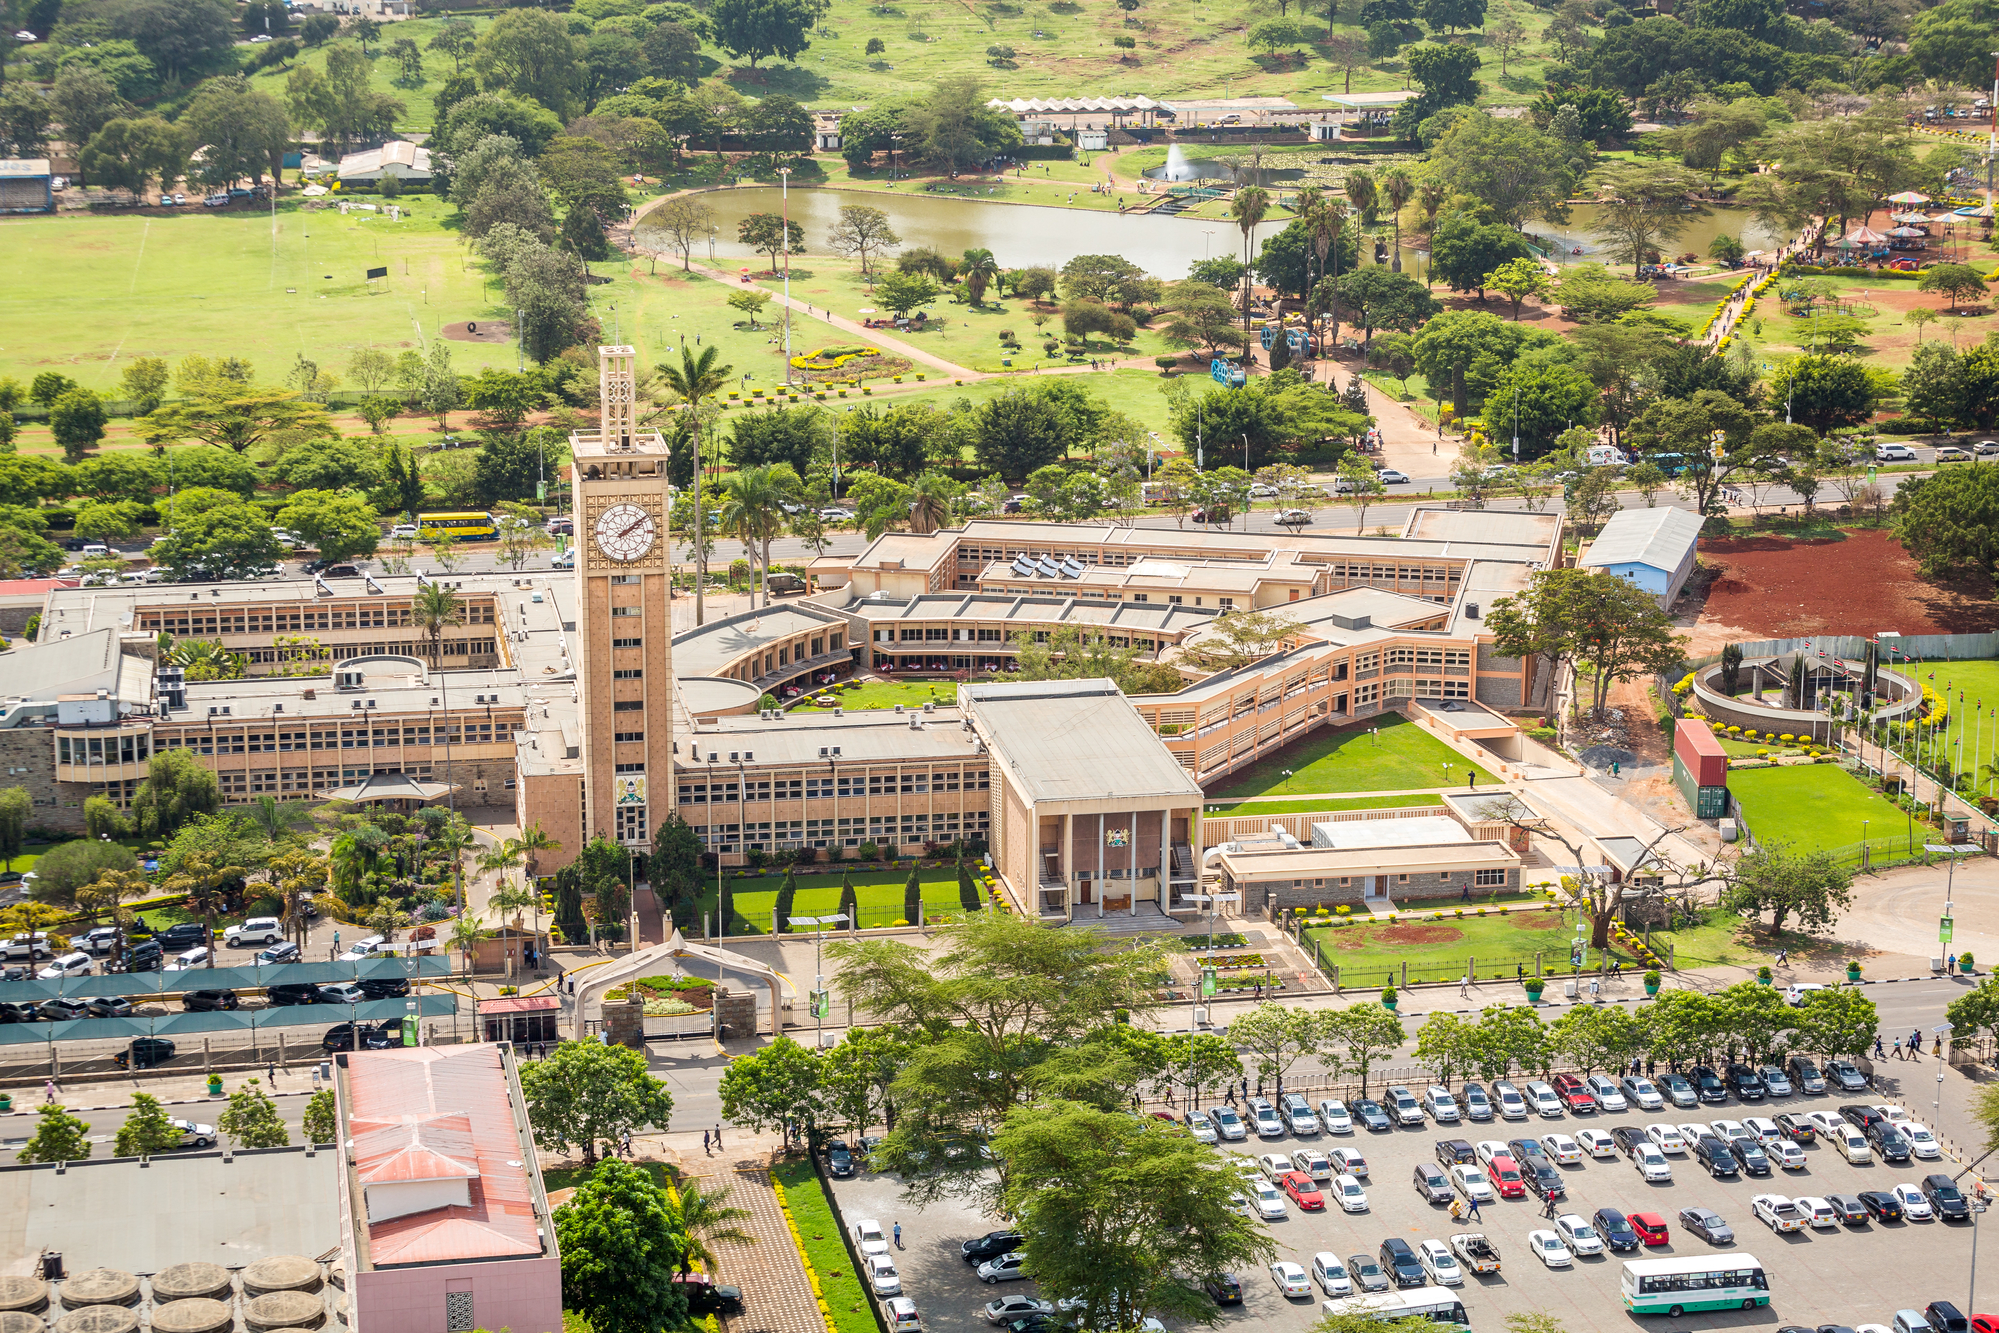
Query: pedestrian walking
point(1879, 1050)
point(1464, 986)
point(1936, 1045)
point(898, 1235)
point(1950, 962)
point(1548, 1209)
point(1898, 1048)
point(49, 1090)
point(271, 1071)
point(718, 1136)
point(706, 1145)
point(1915, 1039)
point(1474, 1210)
point(1259, 1087)
point(1231, 1096)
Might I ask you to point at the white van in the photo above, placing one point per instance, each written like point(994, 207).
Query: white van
point(1606, 455)
point(1854, 1145)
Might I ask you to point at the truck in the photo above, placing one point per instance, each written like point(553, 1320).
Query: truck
point(1606, 455)
point(1475, 1252)
point(784, 585)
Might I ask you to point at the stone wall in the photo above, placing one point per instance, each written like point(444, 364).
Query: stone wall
point(28, 759)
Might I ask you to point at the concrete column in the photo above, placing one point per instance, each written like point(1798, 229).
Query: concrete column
point(1100, 865)
point(1131, 863)
point(1165, 858)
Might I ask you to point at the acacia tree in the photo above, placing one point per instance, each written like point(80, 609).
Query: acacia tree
point(1278, 1036)
point(1811, 884)
point(1446, 1045)
point(58, 1137)
point(1357, 1036)
point(585, 1092)
point(1572, 615)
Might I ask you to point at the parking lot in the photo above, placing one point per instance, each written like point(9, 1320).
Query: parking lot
point(1850, 1276)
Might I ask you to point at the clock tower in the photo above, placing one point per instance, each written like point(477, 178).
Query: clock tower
point(624, 620)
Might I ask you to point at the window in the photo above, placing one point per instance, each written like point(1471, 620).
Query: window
point(625, 611)
point(622, 736)
point(458, 1312)
point(624, 578)
point(628, 673)
point(695, 793)
point(1490, 879)
point(631, 822)
point(818, 788)
point(1225, 601)
point(629, 768)
point(628, 643)
point(628, 706)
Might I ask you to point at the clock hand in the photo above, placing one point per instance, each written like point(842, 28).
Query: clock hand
point(642, 521)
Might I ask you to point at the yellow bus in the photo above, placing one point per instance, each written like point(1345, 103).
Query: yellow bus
point(470, 526)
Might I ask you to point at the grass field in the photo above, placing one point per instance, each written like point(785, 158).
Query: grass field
point(1819, 805)
point(1310, 805)
point(419, 111)
point(887, 694)
point(1392, 754)
point(819, 1232)
point(877, 893)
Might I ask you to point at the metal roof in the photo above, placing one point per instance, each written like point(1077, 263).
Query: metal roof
point(1074, 740)
point(1658, 537)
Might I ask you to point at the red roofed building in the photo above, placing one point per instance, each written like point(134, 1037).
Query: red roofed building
point(444, 1225)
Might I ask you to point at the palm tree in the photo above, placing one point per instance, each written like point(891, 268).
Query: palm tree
point(275, 818)
point(1248, 207)
point(1397, 189)
point(694, 379)
point(434, 609)
point(200, 879)
point(1360, 193)
point(466, 932)
point(1324, 220)
point(532, 842)
point(929, 503)
point(981, 270)
point(705, 1218)
point(753, 511)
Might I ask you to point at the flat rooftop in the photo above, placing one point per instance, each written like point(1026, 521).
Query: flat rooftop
point(1045, 609)
point(1414, 831)
point(114, 1213)
point(1320, 862)
point(714, 647)
point(1075, 740)
point(875, 735)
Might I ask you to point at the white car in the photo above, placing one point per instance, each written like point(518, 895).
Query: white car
point(1694, 1131)
point(1596, 1142)
point(883, 1277)
point(1895, 1114)
point(1562, 1148)
point(1921, 1142)
point(1786, 1154)
point(1313, 1163)
point(1733, 1131)
point(1472, 1183)
point(1202, 1128)
point(69, 965)
point(869, 1237)
point(1334, 1119)
point(1009, 1267)
point(1443, 1107)
point(1894, 453)
point(193, 1134)
point(1651, 1163)
point(1275, 1165)
point(1290, 1278)
point(1546, 1102)
point(1512, 1106)
point(1607, 1094)
point(1666, 1138)
point(1764, 1130)
point(1353, 1199)
point(1008, 1308)
point(1297, 1114)
point(1853, 1146)
point(1818, 1212)
point(1548, 1248)
point(257, 930)
point(1269, 1201)
point(1780, 1214)
point(361, 950)
point(1350, 1161)
point(1440, 1264)
point(1228, 1124)
point(1643, 1093)
point(1269, 1124)
point(1245, 1166)
point(189, 960)
point(403, 530)
point(1914, 1206)
point(1389, 476)
point(1331, 1274)
point(1828, 1123)
point(1487, 1149)
point(1578, 1235)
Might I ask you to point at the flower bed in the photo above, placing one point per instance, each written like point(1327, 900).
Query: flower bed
point(843, 1303)
point(833, 358)
point(1230, 940)
point(1236, 962)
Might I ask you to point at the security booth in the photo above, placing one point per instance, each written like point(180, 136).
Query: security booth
point(520, 1018)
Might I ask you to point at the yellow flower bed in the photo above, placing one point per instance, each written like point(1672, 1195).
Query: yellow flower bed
point(832, 358)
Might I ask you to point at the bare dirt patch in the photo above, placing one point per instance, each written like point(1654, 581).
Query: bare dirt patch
point(1537, 920)
point(1417, 935)
point(480, 331)
point(1772, 587)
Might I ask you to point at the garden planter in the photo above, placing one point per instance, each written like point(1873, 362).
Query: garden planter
point(1852, 972)
point(1534, 994)
point(6, 1102)
point(1651, 989)
point(215, 1085)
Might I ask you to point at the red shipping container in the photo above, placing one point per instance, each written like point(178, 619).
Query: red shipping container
point(1700, 752)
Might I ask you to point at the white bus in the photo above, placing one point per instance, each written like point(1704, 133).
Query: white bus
point(1435, 1304)
point(1674, 1287)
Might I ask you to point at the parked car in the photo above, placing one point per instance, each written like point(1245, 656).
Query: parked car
point(199, 1001)
point(145, 1053)
point(362, 1037)
point(1797, 1128)
point(1643, 1093)
point(1775, 1083)
point(62, 1008)
point(1678, 1090)
point(1843, 1075)
point(1777, 1212)
point(1433, 1186)
point(1441, 1105)
point(989, 1246)
point(1512, 1106)
point(1297, 1113)
point(1603, 1090)
point(284, 951)
point(1708, 1084)
point(1574, 1094)
point(1400, 1260)
point(1477, 1106)
point(839, 1158)
point(1849, 1209)
point(1548, 1248)
point(77, 964)
point(1894, 453)
point(292, 992)
point(1881, 1205)
point(342, 992)
point(110, 1006)
point(100, 940)
point(1366, 1274)
point(1597, 1143)
point(1651, 1228)
point(1708, 1225)
point(1334, 1117)
point(1945, 1198)
point(256, 930)
point(1223, 1288)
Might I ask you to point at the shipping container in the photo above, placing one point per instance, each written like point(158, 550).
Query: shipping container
point(1695, 743)
point(1706, 802)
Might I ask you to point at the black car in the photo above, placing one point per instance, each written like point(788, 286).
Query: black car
point(1948, 1201)
point(144, 956)
point(839, 1158)
point(1797, 1129)
point(1848, 1209)
point(384, 988)
point(110, 1006)
point(1834, 1328)
point(1401, 1263)
point(710, 1298)
point(1751, 1155)
point(1369, 1113)
point(1617, 1233)
point(1628, 1137)
point(1888, 1142)
point(362, 1037)
point(1881, 1205)
point(144, 1053)
point(989, 1246)
point(1746, 1083)
point(1432, 1184)
point(1708, 1085)
point(1713, 1154)
point(1544, 1180)
point(342, 571)
point(58, 1009)
point(198, 1001)
point(1862, 1116)
point(182, 935)
point(292, 992)
point(1708, 1225)
point(1945, 1317)
point(1224, 1288)
point(1455, 1152)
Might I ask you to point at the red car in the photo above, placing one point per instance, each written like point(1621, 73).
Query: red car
point(1651, 1227)
point(1304, 1192)
point(1573, 1093)
point(1984, 1323)
point(1505, 1176)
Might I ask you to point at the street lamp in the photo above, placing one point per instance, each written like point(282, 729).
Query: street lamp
point(820, 1000)
point(1941, 1030)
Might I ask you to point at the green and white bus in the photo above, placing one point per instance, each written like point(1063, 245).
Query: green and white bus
point(1673, 1287)
point(1435, 1304)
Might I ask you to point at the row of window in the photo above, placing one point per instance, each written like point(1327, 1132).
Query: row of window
point(819, 789)
point(215, 620)
point(822, 833)
point(1405, 687)
point(1364, 571)
point(1408, 655)
point(343, 738)
point(131, 747)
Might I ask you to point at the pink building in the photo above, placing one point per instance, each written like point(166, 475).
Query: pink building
point(444, 1225)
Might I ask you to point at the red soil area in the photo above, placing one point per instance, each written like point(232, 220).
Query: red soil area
point(1774, 588)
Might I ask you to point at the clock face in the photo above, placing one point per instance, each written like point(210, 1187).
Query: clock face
point(625, 532)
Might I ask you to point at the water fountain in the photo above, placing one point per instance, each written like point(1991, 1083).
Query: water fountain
point(1177, 167)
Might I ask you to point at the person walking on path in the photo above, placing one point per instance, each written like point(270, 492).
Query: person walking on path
point(1898, 1048)
point(49, 1091)
point(898, 1235)
point(705, 1144)
point(1474, 1210)
point(718, 1136)
point(1464, 986)
point(1880, 1051)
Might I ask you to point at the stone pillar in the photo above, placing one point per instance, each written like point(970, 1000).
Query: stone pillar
point(625, 1024)
point(736, 1014)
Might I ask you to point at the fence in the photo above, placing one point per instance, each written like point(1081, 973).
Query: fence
point(935, 913)
point(1927, 647)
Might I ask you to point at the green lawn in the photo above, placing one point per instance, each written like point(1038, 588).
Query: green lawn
point(1391, 754)
point(1368, 952)
point(1819, 805)
point(1309, 805)
point(825, 1250)
point(419, 110)
point(877, 892)
point(911, 694)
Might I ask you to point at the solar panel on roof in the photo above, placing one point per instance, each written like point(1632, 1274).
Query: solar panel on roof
point(1023, 566)
point(1070, 569)
point(1048, 569)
